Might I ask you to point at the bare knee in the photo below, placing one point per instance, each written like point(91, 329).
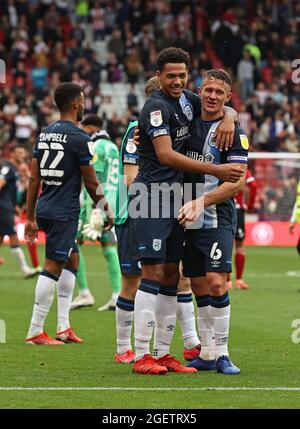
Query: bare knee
point(153, 272)
point(217, 283)
point(130, 285)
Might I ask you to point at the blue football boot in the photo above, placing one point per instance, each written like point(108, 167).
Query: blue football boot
point(202, 365)
point(225, 366)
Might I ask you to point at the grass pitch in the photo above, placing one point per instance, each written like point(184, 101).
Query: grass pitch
point(85, 376)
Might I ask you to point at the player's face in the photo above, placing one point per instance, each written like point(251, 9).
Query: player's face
point(80, 107)
point(214, 93)
point(19, 155)
point(173, 79)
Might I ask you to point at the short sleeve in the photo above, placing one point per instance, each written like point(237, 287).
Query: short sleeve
point(129, 153)
point(84, 149)
point(154, 118)
point(238, 153)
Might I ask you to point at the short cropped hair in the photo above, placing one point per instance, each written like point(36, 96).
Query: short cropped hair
point(151, 85)
point(173, 55)
point(92, 119)
point(65, 94)
point(218, 74)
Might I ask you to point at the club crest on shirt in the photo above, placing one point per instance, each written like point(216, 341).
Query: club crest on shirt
point(188, 112)
point(156, 244)
point(211, 140)
point(156, 118)
point(130, 146)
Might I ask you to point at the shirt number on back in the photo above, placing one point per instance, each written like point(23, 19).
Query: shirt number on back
point(51, 170)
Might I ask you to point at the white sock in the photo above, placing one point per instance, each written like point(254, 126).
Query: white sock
point(206, 333)
point(165, 322)
point(220, 318)
point(186, 318)
point(124, 321)
point(19, 256)
point(144, 316)
point(65, 288)
point(44, 294)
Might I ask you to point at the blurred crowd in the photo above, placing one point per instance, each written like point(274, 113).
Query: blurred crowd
point(44, 42)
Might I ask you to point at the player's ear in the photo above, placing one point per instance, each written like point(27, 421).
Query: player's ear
point(228, 96)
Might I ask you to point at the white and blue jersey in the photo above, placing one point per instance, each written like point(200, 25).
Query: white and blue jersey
point(201, 147)
point(208, 248)
point(60, 151)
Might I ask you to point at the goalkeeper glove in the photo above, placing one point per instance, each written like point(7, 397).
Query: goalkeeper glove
point(94, 228)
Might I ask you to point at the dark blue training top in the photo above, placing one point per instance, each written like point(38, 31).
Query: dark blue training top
point(201, 147)
point(60, 151)
point(164, 116)
point(8, 194)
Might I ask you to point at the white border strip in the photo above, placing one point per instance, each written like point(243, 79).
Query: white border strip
point(148, 389)
point(273, 155)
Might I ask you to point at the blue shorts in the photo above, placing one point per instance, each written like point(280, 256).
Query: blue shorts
point(60, 238)
point(207, 250)
point(127, 259)
point(160, 240)
point(7, 222)
point(240, 232)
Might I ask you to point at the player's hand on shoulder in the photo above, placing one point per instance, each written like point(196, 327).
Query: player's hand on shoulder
point(224, 134)
point(229, 172)
point(31, 231)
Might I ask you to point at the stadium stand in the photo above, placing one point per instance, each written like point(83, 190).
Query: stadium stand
point(110, 47)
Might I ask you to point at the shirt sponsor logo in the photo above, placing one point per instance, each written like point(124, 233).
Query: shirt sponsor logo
point(130, 146)
point(244, 141)
point(209, 158)
point(188, 112)
point(156, 244)
point(156, 118)
point(182, 131)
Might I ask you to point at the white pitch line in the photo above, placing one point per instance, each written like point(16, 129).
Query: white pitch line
point(147, 389)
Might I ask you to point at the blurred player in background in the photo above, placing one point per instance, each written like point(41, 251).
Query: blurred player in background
point(8, 201)
point(90, 124)
point(296, 216)
point(22, 186)
point(208, 244)
point(62, 157)
point(241, 208)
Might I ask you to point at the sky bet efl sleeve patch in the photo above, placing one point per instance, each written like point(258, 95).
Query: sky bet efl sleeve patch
point(244, 141)
point(156, 118)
